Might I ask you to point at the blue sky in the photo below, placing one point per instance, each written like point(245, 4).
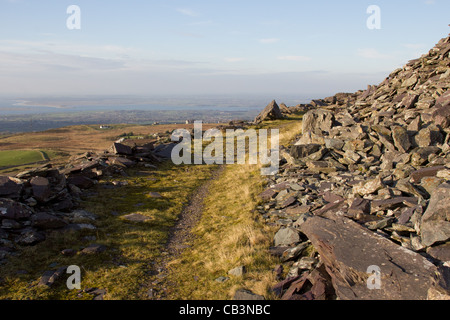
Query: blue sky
point(210, 47)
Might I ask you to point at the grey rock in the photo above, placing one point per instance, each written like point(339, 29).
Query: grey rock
point(30, 237)
point(401, 138)
point(119, 148)
point(381, 224)
point(164, 150)
point(243, 294)
point(301, 151)
point(271, 112)
point(10, 187)
point(317, 120)
point(50, 277)
point(10, 209)
point(136, 217)
point(41, 189)
point(222, 279)
point(435, 224)
point(43, 220)
point(10, 224)
point(93, 249)
point(440, 252)
point(428, 136)
point(294, 253)
point(238, 271)
point(332, 143)
point(419, 156)
point(286, 237)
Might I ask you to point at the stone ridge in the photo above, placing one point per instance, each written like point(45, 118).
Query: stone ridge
point(366, 187)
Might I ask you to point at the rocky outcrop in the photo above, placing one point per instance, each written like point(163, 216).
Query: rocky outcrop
point(271, 112)
point(366, 189)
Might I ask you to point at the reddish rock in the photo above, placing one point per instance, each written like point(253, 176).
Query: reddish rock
point(41, 189)
point(268, 194)
point(289, 201)
point(81, 181)
point(10, 187)
point(417, 175)
point(298, 209)
point(440, 252)
point(359, 206)
point(348, 250)
point(10, 209)
point(435, 226)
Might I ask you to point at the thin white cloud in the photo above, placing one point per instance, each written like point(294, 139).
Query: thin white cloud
point(46, 61)
point(234, 59)
point(269, 40)
point(187, 12)
point(430, 2)
point(200, 23)
point(371, 53)
point(98, 51)
point(294, 58)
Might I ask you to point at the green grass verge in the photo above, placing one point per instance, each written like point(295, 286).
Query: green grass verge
point(19, 157)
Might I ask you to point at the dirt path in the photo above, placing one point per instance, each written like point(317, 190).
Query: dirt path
point(179, 237)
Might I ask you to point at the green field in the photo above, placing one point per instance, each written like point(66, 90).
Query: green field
point(11, 158)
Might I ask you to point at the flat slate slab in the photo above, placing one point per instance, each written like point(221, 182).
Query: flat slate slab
point(136, 217)
point(348, 250)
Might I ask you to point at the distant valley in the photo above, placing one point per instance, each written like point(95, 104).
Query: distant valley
point(44, 113)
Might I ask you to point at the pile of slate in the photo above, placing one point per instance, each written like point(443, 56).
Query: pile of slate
point(363, 196)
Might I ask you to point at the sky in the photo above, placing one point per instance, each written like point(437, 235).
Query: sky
point(208, 47)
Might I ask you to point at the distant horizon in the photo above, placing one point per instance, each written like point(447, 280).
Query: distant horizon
point(63, 104)
point(250, 47)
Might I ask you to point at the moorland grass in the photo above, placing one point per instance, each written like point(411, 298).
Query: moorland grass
point(231, 233)
point(132, 247)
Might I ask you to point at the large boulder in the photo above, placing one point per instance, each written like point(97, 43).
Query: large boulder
point(435, 225)
point(41, 189)
point(10, 209)
point(304, 150)
point(286, 237)
point(10, 187)
point(350, 254)
point(43, 220)
point(271, 112)
point(317, 121)
point(119, 148)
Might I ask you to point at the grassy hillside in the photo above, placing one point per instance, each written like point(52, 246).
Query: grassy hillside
point(123, 268)
point(230, 233)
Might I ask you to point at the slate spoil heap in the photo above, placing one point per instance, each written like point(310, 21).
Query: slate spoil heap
point(367, 187)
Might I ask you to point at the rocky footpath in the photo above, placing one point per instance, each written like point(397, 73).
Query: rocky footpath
point(39, 201)
point(362, 197)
